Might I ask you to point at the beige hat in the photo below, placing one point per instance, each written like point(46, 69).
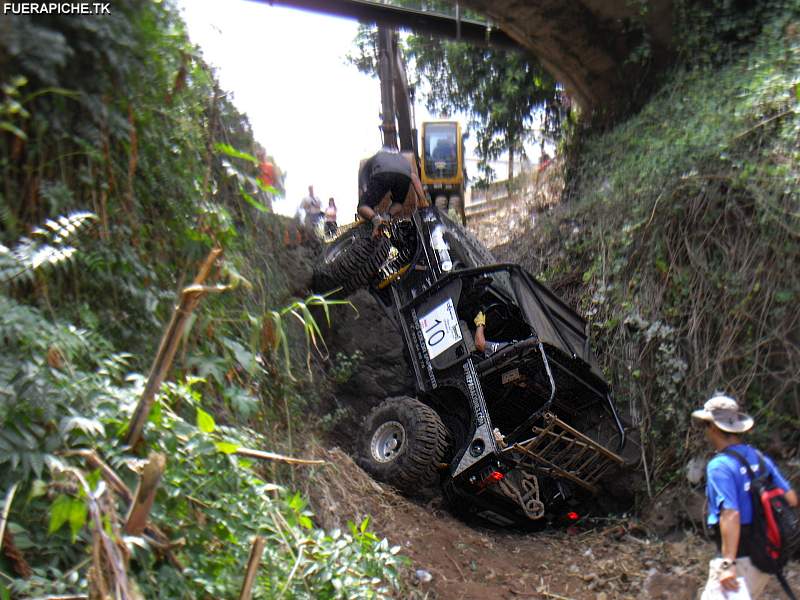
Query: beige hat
point(723, 411)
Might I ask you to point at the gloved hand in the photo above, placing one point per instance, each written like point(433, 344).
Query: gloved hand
point(480, 319)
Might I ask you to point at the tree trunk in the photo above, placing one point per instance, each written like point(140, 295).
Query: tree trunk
point(188, 301)
point(145, 494)
point(256, 551)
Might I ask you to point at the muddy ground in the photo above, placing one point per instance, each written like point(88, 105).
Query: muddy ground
point(616, 558)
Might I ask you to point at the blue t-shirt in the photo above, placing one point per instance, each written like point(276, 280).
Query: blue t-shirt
point(728, 484)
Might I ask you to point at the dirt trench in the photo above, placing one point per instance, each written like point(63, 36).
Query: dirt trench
point(610, 559)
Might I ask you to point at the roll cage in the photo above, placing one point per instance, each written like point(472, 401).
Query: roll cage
point(538, 411)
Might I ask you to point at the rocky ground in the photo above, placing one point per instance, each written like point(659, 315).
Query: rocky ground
point(517, 210)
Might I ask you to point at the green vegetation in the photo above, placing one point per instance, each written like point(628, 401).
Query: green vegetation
point(714, 32)
point(122, 164)
point(687, 251)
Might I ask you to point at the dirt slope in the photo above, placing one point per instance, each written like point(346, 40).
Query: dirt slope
point(617, 558)
point(614, 559)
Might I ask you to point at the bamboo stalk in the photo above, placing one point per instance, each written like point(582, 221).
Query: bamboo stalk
point(256, 550)
point(190, 298)
point(145, 494)
point(291, 573)
point(9, 549)
point(6, 509)
point(277, 457)
point(157, 538)
point(108, 572)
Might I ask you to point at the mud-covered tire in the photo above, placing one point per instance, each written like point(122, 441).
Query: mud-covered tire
point(404, 443)
point(351, 261)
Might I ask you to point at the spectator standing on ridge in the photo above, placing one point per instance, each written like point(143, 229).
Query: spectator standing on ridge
point(387, 171)
point(266, 171)
point(330, 217)
point(544, 161)
point(730, 510)
point(313, 209)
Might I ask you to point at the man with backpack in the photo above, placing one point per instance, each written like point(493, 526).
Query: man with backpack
point(751, 506)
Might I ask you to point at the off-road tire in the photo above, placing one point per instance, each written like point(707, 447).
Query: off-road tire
point(425, 445)
point(351, 261)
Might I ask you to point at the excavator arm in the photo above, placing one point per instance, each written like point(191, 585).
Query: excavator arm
point(399, 131)
point(396, 102)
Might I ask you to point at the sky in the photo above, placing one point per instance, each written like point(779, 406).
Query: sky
point(310, 109)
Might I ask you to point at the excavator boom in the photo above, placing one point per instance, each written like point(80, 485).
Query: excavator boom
point(441, 166)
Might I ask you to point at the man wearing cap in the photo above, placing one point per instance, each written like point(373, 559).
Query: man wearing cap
point(730, 510)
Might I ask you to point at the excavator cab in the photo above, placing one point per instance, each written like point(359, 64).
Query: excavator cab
point(443, 165)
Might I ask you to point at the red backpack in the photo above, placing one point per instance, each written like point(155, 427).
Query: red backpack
point(775, 530)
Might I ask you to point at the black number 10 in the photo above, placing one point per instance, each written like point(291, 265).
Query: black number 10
point(438, 336)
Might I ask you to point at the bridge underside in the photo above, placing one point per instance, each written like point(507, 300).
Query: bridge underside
point(588, 45)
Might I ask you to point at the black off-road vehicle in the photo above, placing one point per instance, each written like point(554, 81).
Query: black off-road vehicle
point(515, 437)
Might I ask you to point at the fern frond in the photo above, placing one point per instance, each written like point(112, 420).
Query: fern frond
point(47, 248)
point(96, 261)
point(62, 228)
point(7, 219)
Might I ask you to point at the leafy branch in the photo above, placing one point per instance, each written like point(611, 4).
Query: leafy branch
point(301, 310)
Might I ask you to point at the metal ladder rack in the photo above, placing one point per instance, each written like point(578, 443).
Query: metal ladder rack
point(558, 450)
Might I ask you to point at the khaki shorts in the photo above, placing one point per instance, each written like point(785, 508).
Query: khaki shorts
point(756, 580)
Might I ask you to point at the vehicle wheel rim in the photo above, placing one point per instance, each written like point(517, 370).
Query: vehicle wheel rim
point(387, 442)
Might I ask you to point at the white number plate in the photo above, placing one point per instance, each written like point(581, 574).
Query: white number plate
point(440, 328)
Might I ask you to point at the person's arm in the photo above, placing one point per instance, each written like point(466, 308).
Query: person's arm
point(420, 198)
point(365, 212)
point(723, 497)
point(729, 529)
point(480, 337)
point(781, 481)
point(368, 214)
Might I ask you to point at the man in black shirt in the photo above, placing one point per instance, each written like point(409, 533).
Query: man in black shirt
point(388, 171)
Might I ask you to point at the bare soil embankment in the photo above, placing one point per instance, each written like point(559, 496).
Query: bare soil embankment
point(604, 560)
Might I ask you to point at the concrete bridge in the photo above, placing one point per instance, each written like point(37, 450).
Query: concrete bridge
point(587, 45)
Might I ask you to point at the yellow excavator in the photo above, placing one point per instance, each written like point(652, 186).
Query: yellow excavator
point(440, 165)
point(442, 173)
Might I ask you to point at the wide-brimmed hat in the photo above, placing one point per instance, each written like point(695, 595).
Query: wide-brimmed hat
point(724, 412)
